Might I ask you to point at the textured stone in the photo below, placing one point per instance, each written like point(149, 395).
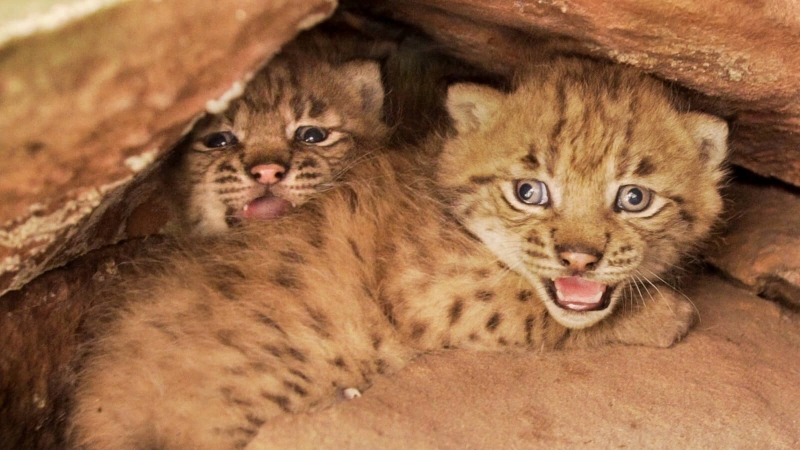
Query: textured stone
point(89, 105)
point(741, 56)
point(761, 243)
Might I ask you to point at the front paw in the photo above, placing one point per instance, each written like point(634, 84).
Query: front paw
point(660, 321)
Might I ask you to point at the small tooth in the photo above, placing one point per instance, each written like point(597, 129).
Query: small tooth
point(245, 206)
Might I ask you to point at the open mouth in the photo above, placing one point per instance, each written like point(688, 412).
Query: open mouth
point(266, 207)
point(579, 294)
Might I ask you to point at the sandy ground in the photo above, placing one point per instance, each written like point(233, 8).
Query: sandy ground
point(734, 382)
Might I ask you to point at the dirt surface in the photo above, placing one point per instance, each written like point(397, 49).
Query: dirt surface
point(732, 383)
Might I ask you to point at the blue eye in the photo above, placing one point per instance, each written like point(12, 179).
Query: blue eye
point(532, 192)
point(310, 135)
point(633, 198)
point(220, 139)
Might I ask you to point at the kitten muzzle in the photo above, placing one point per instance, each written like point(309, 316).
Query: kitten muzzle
point(579, 294)
point(266, 207)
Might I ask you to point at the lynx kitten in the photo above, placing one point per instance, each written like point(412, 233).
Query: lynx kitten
point(300, 123)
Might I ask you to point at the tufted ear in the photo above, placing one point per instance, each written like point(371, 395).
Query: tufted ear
point(710, 134)
point(472, 106)
point(366, 77)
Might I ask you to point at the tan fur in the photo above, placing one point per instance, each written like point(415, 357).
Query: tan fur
point(282, 316)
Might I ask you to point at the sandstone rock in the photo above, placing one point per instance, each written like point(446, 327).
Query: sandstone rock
point(761, 243)
point(92, 103)
point(741, 56)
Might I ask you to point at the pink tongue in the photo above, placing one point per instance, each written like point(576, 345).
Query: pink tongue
point(266, 208)
point(578, 294)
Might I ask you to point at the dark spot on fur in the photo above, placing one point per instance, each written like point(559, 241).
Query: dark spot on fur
point(297, 105)
point(417, 330)
point(502, 341)
point(340, 363)
point(381, 366)
point(482, 273)
point(316, 239)
point(163, 328)
point(686, 216)
point(321, 324)
point(354, 249)
point(388, 309)
point(535, 254)
point(308, 163)
point(482, 179)
point(484, 296)
point(228, 395)
point(473, 337)
point(225, 337)
point(317, 107)
point(503, 265)
point(296, 388)
point(272, 350)
point(237, 371)
point(296, 354)
point(645, 167)
point(524, 295)
point(292, 257)
point(281, 400)
point(260, 367)
point(287, 278)
point(226, 167)
point(494, 321)
point(529, 321)
point(300, 375)
point(456, 309)
point(530, 160)
point(352, 199)
point(266, 320)
point(308, 176)
point(254, 420)
point(376, 342)
point(534, 239)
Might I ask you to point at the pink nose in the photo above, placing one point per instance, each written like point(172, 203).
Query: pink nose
point(577, 261)
point(268, 173)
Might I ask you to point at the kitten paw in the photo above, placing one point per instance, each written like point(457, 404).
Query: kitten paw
point(660, 323)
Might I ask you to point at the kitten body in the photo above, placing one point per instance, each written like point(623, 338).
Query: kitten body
point(527, 216)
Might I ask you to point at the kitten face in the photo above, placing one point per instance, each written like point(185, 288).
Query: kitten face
point(585, 180)
point(299, 124)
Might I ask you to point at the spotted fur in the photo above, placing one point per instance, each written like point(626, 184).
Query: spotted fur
point(395, 262)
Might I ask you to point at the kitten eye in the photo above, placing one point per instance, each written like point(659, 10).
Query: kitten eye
point(532, 192)
point(220, 139)
point(633, 198)
point(310, 135)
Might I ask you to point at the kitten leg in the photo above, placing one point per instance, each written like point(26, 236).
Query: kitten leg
point(659, 317)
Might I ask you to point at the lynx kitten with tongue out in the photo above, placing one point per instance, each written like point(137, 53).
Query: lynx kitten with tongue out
point(298, 125)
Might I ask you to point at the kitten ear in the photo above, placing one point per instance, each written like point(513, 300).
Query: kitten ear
point(710, 134)
point(472, 106)
point(366, 77)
